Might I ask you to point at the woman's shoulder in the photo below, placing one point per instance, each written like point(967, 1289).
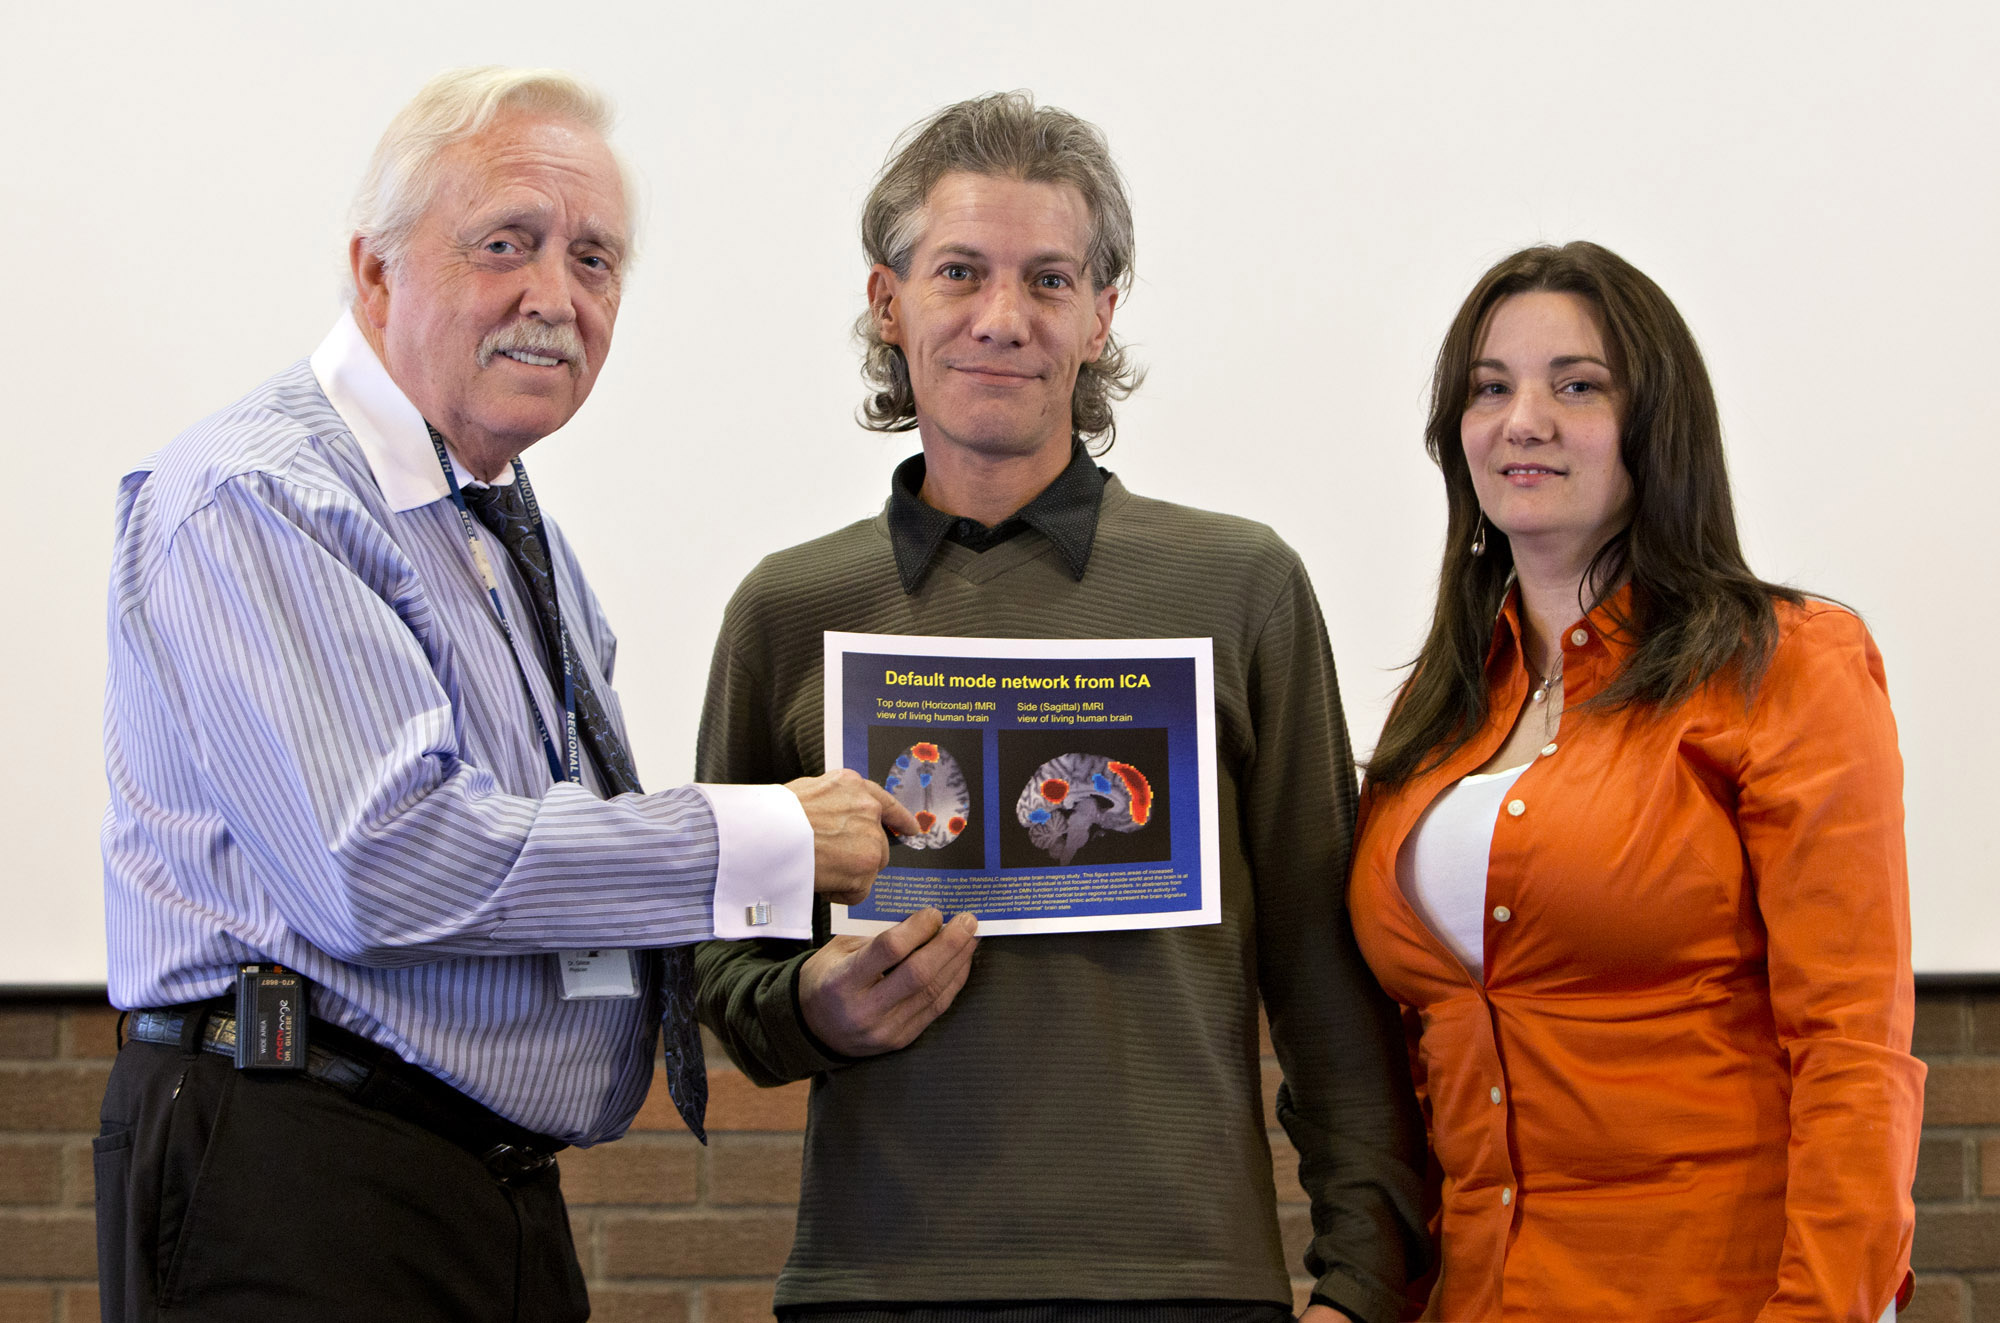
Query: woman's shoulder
point(1825, 661)
point(1813, 626)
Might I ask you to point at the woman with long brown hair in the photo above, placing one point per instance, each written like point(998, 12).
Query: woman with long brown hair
point(1631, 852)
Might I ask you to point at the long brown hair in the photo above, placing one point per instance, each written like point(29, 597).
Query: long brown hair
point(1695, 611)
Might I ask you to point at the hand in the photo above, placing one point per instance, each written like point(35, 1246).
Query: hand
point(1318, 1313)
point(847, 816)
point(863, 996)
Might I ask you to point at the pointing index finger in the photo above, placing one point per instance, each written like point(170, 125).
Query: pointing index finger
point(895, 817)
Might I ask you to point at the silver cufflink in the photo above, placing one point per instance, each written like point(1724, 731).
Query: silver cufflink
point(757, 915)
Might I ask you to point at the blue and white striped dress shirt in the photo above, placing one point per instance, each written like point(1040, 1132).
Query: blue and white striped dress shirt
point(320, 754)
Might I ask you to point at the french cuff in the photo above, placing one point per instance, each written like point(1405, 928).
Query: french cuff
point(763, 862)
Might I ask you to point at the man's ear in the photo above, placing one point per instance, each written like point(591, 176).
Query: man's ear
point(371, 282)
point(1104, 303)
point(883, 287)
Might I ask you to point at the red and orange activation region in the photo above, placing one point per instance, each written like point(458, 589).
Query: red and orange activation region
point(1138, 787)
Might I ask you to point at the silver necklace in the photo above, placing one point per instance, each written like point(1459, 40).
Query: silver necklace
point(1548, 681)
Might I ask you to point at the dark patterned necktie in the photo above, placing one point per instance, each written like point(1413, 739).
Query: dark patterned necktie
point(505, 514)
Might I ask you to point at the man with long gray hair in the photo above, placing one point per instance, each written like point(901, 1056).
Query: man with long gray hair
point(1063, 1125)
point(391, 914)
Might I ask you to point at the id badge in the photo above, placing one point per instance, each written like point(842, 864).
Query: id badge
point(598, 972)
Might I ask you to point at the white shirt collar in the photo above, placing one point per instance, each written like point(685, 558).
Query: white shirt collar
point(387, 427)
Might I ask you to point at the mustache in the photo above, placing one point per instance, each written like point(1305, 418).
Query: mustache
point(543, 338)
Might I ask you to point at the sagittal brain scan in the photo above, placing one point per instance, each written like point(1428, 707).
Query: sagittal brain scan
point(927, 781)
point(1077, 796)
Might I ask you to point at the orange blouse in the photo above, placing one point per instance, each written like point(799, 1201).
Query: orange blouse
point(1684, 1089)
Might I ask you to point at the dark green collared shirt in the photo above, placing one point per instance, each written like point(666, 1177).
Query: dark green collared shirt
point(1064, 512)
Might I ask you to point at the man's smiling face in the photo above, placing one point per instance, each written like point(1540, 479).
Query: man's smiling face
point(997, 313)
point(498, 316)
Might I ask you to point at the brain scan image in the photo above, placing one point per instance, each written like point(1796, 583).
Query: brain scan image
point(1077, 796)
point(927, 781)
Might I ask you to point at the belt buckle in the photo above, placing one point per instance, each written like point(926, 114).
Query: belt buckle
point(511, 1163)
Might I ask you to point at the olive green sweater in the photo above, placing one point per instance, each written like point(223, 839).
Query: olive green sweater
point(1085, 1121)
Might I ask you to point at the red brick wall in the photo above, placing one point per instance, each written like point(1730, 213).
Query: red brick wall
point(1957, 1254)
point(672, 1233)
point(54, 1059)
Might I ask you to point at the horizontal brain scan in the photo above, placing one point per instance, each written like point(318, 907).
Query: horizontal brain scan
point(927, 781)
point(1072, 798)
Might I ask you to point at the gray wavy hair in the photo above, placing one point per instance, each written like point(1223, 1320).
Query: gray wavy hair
point(404, 174)
point(1001, 134)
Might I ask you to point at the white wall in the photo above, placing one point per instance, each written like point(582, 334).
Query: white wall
point(1316, 187)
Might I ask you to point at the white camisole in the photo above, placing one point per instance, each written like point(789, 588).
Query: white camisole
point(1442, 865)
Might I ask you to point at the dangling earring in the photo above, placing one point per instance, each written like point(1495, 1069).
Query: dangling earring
point(1479, 537)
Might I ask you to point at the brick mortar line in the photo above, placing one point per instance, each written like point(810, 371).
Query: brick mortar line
point(687, 1210)
point(650, 1282)
point(623, 1209)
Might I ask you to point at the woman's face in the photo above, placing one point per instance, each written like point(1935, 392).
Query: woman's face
point(1541, 428)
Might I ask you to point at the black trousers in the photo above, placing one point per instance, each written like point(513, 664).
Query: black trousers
point(224, 1195)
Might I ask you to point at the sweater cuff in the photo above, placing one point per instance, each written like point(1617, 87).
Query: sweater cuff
point(791, 1051)
point(825, 1053)
point(1371, 1304)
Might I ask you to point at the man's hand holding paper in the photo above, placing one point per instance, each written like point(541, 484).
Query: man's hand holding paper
point(863, 996)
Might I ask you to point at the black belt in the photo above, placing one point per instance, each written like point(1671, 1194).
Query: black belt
point(373, 1076)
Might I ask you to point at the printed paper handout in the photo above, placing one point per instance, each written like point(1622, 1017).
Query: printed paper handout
point(1059, 785)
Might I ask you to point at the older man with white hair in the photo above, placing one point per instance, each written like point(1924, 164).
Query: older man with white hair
point(393, 918)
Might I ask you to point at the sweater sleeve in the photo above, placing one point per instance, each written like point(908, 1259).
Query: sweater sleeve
point(1347, 1101)
point(1821, 816)
point(747, 992)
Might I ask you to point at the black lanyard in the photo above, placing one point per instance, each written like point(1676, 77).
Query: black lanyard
point(562, 768)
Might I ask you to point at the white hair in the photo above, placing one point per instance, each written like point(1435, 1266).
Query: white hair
point(403, 176)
